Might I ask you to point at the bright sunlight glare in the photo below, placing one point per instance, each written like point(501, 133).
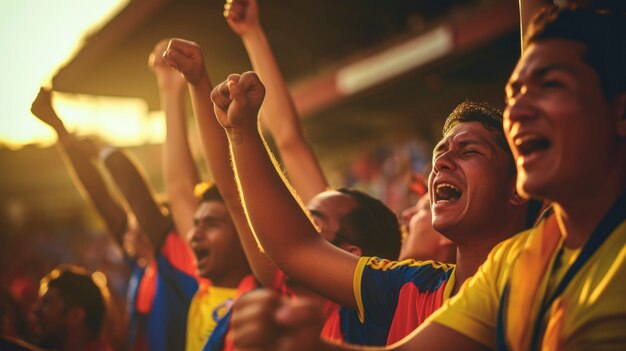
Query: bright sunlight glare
point(120, 121)
point(38, 37)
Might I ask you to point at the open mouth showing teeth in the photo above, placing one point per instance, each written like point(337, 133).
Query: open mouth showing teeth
point(446, 192)
point(528, 145)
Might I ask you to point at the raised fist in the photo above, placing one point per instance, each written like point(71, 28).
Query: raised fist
point(241, 15)
point(186, 57)
point(167, 77)
point(238, 99)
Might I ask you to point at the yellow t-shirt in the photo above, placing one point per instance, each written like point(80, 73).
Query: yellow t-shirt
point(594, 302)
point(208, 305)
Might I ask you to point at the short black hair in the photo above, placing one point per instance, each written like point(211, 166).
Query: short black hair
point(489, 116)
point(208, 191)
point(372, 226)
point(77, 289)
point(603, 32)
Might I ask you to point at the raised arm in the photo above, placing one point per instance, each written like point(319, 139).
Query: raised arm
point(278, 112)
point(279, 221)
point(187, 57)
point(85, 174)
point(179, 169)
point(134, 187)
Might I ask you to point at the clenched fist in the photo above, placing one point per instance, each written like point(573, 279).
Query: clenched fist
point(237, 100)
point(265, 320)
point(186, 57)
point(167, 77)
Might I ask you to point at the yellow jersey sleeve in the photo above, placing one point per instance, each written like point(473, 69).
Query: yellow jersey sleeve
point(356, 285)
point(473, 311)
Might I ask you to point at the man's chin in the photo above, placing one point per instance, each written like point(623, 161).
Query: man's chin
point(440, 223)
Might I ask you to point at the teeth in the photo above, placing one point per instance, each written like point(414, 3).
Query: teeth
point(441, 185)
point(446, 192)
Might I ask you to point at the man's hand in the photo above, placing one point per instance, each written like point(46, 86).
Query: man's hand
point(237, 100)
point(242, 16)
point(137, 245)
point(43, 110)
point(265, 320)
point(186, 57)
point(167, 77)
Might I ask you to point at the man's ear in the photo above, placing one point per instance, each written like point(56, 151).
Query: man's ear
point(620, 105)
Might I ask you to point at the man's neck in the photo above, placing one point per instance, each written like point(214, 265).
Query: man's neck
point(473, 252)
point(579, 212)
point(578, 219)
point(468, 259)
point(231, 280)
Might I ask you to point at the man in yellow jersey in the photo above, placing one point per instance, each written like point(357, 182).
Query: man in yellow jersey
point(559, 286)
